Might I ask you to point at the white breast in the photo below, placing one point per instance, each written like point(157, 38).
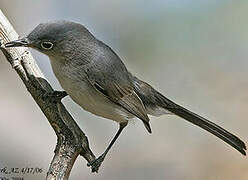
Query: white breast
point(82, 92)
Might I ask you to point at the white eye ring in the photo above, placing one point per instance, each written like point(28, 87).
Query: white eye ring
point(46, 45)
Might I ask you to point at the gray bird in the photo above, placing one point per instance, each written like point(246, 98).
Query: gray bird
point(94, 76)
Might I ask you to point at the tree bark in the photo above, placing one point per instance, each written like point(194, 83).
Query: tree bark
point(71, 140)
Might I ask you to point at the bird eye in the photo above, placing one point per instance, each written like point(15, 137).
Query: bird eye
point(46, 45)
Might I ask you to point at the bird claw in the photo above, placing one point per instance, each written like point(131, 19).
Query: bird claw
point(96, 163)
point(54, 96)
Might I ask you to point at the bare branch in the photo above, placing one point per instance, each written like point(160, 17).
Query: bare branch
point(71, 141)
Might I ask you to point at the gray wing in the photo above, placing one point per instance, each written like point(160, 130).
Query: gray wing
point(109, 76)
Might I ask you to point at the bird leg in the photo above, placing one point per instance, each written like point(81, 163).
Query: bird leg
point(54, 96)
point(97, 162)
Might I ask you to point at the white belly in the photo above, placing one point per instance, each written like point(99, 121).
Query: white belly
point(82, 92)
point(91, 100)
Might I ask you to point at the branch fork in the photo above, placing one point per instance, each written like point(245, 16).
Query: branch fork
point(71, 140)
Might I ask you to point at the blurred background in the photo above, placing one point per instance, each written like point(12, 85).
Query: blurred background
point(193, 51)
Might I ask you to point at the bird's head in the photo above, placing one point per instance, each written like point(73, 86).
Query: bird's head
point(56, 39)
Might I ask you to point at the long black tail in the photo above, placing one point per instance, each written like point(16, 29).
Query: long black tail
point(211, 127)
point(153, 99)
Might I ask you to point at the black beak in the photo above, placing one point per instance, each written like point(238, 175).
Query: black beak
point(18, 43)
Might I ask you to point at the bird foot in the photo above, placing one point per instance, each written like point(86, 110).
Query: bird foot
point(54, 96)
point(96, 163)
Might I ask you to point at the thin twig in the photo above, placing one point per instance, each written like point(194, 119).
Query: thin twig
point(71, 140)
